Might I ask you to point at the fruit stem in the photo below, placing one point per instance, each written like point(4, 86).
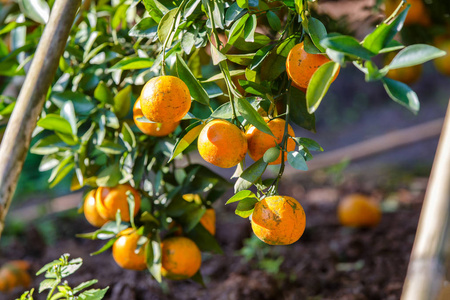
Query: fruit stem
point(396, 11)
point(231, 89)
point(168, 37)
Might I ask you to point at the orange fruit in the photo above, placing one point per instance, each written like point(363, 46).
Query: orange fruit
point(278, 220)
point(358, 210)
point(417, 13)
point(90, 210)
point(222, 144)
point(406, 75)
point(109, 200)
point(442, 63)
point(259, 142)
point(208, 220)
point(152, 129)
point(13, 274)
point(125, 251)
point(181, 258)
point(301, 65)
point(165, 99)
point(8, 280)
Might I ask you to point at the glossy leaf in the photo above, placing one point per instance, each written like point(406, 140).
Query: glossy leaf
point(401, 93)
point(245, 207)
point(240, 196)
point(198, 93)
point(186, 138)
point(133, 63)
point(37, 10)
point(252, 116)
point(297, 161)
point(415, 55)
point(348, 45)
point(319, 84)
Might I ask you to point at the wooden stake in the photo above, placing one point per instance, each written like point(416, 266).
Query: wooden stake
point(426, 270)
point(31, 99)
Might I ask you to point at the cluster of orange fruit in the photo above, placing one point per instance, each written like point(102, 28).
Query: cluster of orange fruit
point(165, 100)
point(181, 258)
point(14, 274)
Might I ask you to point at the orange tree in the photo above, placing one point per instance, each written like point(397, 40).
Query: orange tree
point(275, 61)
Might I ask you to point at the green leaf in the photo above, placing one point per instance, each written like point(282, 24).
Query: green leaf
point(147, 27)
point(241, 59)
point(216, 55)
point(273, 20)
point(249, 29)
point(298, 112)
point(319, 84)
point(224, 111)
point(392, 46)
point(55, 123)
point(401, 93)
point(186, 138)
point(233, 12)
point(166, 24)
point(221, 76)
point(198, 93)
point(415, 55)
point(348, 45)
point(110, 176)
point(122, 102)
point(297, 161)
point(128, 136)
point(68, 113)
point(310, 144)
point(271, 154)
point(245, 207)
point(204, 240)
point(82, 104)
point(237, 29)
point(275, 63)
point(133, 63)
point(105, 247)
point(103, 93)
point(36, 10)
point(153, 257)
point(240, 196)
point(250, 175)
point(384, 33)
point(93, 294)
point(317, 32)
point(251, 115)
point(254, 88)
point(48, 145)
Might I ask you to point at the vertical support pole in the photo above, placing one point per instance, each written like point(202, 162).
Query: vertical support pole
point(16, 141)
point(426, 270)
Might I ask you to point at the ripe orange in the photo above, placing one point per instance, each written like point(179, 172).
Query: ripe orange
point(165, 99)
point(259, 142)
point(442, 63)
point(278, 220)
point(358, 210)
point(152, 129)
point(90, 210)
point(14, 274)
point(181, 258)
point(406, 75)
point(222, 144)
point(109, 200)
point(417, 13)
point(208, 220)
point(125, 252)
point(301, 65)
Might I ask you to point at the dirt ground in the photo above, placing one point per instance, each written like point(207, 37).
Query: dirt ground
point(328, 262)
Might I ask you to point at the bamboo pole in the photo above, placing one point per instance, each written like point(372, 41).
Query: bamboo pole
point(426, 271)
point(14, 148)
